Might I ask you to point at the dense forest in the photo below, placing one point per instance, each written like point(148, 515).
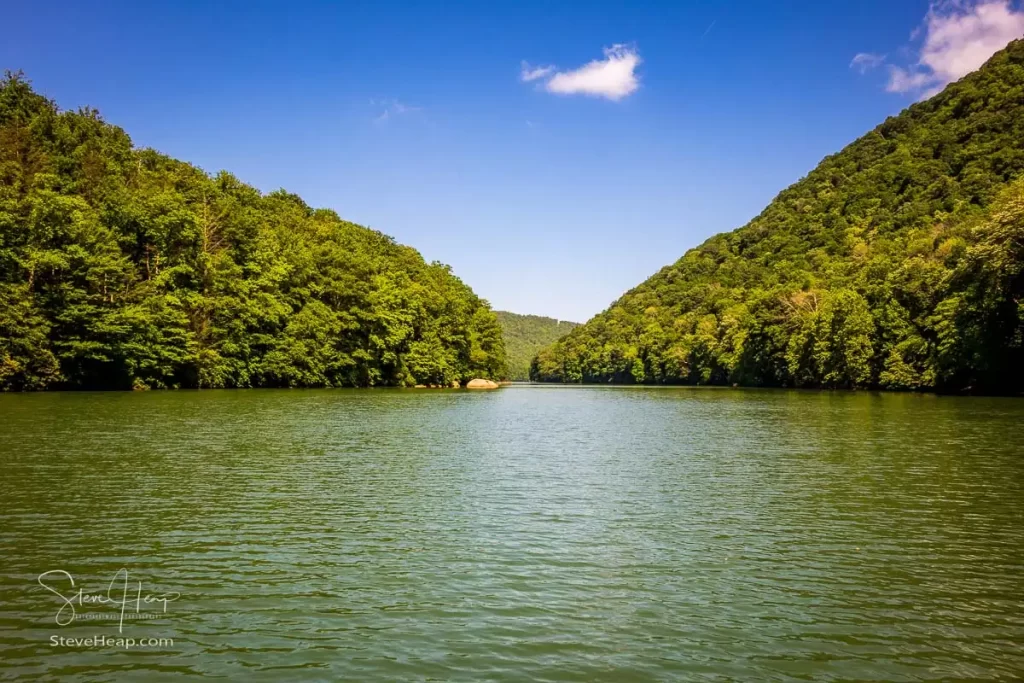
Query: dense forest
point(122, 268)
point(896, 263)
point(524, 336)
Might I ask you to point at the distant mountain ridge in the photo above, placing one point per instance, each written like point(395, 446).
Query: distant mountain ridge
point(525, 335)
point(897, 263)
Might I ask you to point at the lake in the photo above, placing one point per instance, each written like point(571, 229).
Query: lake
point(530, 533)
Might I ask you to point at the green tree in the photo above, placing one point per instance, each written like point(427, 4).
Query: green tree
point(896, 263)
point(122, 268)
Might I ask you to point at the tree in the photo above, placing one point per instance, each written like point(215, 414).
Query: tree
point(896, 263)
point(122, 268)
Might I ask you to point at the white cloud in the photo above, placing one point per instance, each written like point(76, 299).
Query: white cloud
point(959, 36)
point(613, 77)
point(866, 61)
point(907, 80)
point(961, 41)
point(391, 107)
point(531, 73)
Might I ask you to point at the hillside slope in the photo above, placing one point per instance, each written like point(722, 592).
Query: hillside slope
point(896, 263)
point(525, 335)
point(122, 268)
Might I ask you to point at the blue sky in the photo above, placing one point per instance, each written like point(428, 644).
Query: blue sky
point(550, 196)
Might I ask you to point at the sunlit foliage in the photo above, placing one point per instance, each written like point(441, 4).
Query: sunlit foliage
point(123, 268)
point(896, 263)
point(525, 335)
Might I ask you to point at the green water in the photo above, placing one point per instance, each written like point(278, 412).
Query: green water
point(586, 534)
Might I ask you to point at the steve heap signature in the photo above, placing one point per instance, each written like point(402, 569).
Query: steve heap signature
point(120, 594)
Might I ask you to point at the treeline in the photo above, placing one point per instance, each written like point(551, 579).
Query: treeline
point(524, 336)
point(897, 263)
point(122, 268)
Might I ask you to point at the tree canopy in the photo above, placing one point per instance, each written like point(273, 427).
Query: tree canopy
point(123, 268)
point(525, 335)
point(896, 263)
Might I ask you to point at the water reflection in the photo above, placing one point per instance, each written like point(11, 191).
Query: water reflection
point(544, 533)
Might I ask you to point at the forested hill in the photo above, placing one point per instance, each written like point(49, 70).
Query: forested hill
point(525, 335)
point(896, 263)
point(122, 268)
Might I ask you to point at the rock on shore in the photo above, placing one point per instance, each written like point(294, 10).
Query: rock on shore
point(481, 384)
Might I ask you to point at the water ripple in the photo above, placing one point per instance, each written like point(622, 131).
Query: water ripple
point(550, 534)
